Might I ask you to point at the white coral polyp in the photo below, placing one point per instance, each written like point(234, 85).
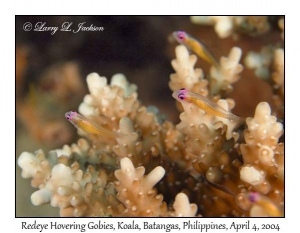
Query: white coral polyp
point(61, 175)
point(35, 165)
point(128, 173)
point(127, 139)
point(230, 65)
point(41, 196)
point(260, 62)
point(126, 126)
point(185, 76)
point(85, 108)
point(253, 60)
point(121, 81)
point(264, 125)
point(266, 155)
point(224, 26)
point(228, 72)
point(29, 164)
point(252, 176)
point(95, 83)
point(120, 94)
point(153, 177)
point(182, 206)
point(66, 151)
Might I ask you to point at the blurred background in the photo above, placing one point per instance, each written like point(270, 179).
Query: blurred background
point(51, 72)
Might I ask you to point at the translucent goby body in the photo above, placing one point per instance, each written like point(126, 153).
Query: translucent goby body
point(188, 97)
point(87, 125)
point(272, 209)
point(196, 46)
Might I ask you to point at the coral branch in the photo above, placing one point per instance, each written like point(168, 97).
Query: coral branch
point(135, 190)
point(227, 74)
point(182, 206)
point(186, 76)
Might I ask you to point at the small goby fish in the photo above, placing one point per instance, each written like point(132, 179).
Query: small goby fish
point(203, 103)
point(267, 204)
point(87, 125)
point(196, 46)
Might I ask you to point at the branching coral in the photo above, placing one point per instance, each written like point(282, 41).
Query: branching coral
point(136, 191)
point(262, 153)
point(80, 193)
point(260, 62)
point(226, 26)
point(263, 159)
point(192, 79)
point(269, 66)
point(206, 165)
point(186, 76)
point(227, 74)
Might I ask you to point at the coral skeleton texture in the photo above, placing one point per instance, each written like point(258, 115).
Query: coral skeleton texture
point(205, 165)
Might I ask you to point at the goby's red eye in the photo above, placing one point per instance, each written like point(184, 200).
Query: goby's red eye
point(181, 96)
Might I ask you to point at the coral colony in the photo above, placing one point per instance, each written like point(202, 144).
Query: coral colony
point(131, 162)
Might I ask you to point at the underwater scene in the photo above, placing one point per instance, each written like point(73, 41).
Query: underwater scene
point(150, 116)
